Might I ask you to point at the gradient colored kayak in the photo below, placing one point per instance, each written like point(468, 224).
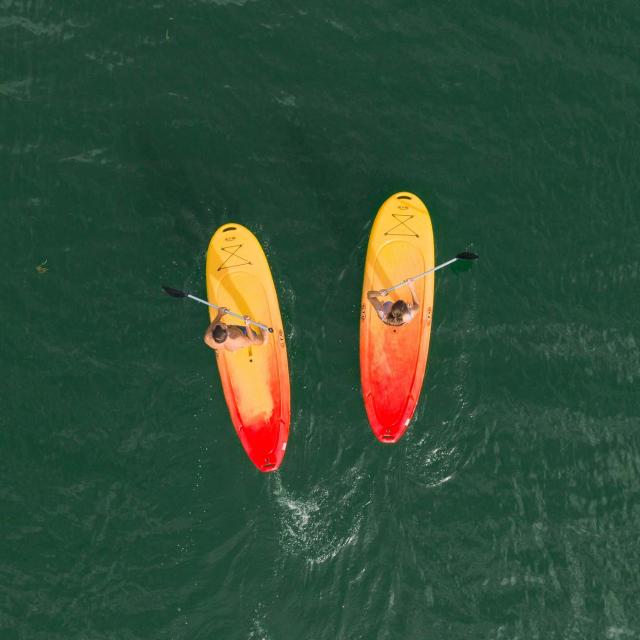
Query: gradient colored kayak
point(255, 380)
point(393, 360)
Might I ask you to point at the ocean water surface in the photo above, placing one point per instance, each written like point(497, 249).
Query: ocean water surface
point(130, 131)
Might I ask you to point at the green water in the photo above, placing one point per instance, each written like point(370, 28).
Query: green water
point(129, 131)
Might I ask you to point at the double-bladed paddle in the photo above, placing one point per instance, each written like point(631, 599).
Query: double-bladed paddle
point(176, 293)
point(465, 255)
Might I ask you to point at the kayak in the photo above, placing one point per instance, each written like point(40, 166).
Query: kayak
point(393, 360)
point(255, 380)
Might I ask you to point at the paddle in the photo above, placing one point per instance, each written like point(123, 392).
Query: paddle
point(465, 255)
point(176, 293)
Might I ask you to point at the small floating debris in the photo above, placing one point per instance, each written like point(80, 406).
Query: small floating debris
point(42, 268)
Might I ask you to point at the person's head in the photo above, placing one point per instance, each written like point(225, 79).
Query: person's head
point(397, 313)
point(219, 333)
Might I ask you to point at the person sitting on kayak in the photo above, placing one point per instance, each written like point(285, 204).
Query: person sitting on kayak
point(231, 337)
point(394, 313)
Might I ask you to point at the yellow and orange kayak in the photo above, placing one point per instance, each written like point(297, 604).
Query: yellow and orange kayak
point(255, 380)
point(393, 360)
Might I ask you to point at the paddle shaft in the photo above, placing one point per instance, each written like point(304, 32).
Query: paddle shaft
point(230, 313)
point(424, 273)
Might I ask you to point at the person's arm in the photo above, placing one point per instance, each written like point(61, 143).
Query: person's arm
point(374, 294)
point(221, 312)
point(372, 297)
point(414, 303)
point(254, 338)
point(414, 306)
point(208, 336)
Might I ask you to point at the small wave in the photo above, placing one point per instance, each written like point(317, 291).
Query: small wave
point(16, 89)
point(92, 156)
point(36, 28)
point(224, 3)
point(304, 520)
point(258, 630)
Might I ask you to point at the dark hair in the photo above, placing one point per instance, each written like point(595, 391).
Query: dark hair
point(398, 309)
point(219, 333)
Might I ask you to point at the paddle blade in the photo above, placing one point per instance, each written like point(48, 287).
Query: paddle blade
point(176, 293)
point(467, 255)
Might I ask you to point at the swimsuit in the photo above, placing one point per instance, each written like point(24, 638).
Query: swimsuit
point(386, 309)
point(237, 326)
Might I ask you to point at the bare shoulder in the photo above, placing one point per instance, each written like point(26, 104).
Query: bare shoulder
point(236, 340)
point(411, 313)
point(375, 303)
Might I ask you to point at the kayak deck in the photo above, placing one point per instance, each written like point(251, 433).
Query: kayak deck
point(255, 379)
point(393, 359)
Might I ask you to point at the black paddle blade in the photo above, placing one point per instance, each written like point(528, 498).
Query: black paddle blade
point(176, 293)
point(467, 255)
